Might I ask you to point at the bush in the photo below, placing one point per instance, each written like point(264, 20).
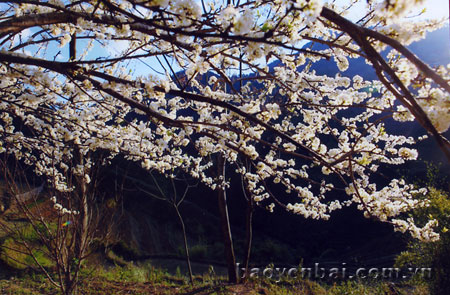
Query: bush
point(15, 255)
point(434, 255)
point(268, 250)
point(199, 251)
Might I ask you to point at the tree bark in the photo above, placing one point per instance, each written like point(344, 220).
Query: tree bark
point(248, 235)
point(225, 225)
point(186, 248)
point(73, 48)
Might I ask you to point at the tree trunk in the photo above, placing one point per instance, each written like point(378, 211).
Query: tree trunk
point(225, 225)
point(248, 235)
point(83, 218)
point(73, 48)
point(186, 248)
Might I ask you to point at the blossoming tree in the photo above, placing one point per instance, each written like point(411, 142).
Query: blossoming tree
point(83, 72)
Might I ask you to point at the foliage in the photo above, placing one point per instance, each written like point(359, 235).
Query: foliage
point(129, 273)
point(292, 126)
point(137, 279)
point(235, 87)
point(199, 251)
point(375, 288)
point(53, 235)
point(12, 256)
point(268, 250)
point(433, 255)
point(15, 254)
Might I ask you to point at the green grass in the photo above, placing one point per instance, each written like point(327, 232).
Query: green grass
point(13, 252)
point(146, 279)
point(131, 273)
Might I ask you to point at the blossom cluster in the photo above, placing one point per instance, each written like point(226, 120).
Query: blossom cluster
point(61, 209)
point(308, 133)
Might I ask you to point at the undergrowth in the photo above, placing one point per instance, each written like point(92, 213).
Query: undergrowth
point(143, 278)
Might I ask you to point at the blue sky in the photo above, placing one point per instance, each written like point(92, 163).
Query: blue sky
point(434, 9)
point(437, 8)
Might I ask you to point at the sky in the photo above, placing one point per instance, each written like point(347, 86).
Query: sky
point(437, 8)
point(433, 9)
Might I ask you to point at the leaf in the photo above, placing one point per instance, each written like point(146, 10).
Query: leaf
point(266, 27)
point(364, 161)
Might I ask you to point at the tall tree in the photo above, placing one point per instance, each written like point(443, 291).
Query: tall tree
point(146, 81)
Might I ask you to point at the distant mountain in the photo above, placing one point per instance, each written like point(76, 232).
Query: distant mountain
point(433, 50)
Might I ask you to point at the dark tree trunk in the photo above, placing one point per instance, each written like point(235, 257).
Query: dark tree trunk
point(248, 235)
point(186, 248)
point(73, 48)
point(225, 226)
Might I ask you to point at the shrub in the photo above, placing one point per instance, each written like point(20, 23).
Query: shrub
point(434, 255)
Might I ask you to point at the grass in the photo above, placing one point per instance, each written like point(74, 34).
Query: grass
point(144, 278)
point(14, 253)
point(123, 277)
